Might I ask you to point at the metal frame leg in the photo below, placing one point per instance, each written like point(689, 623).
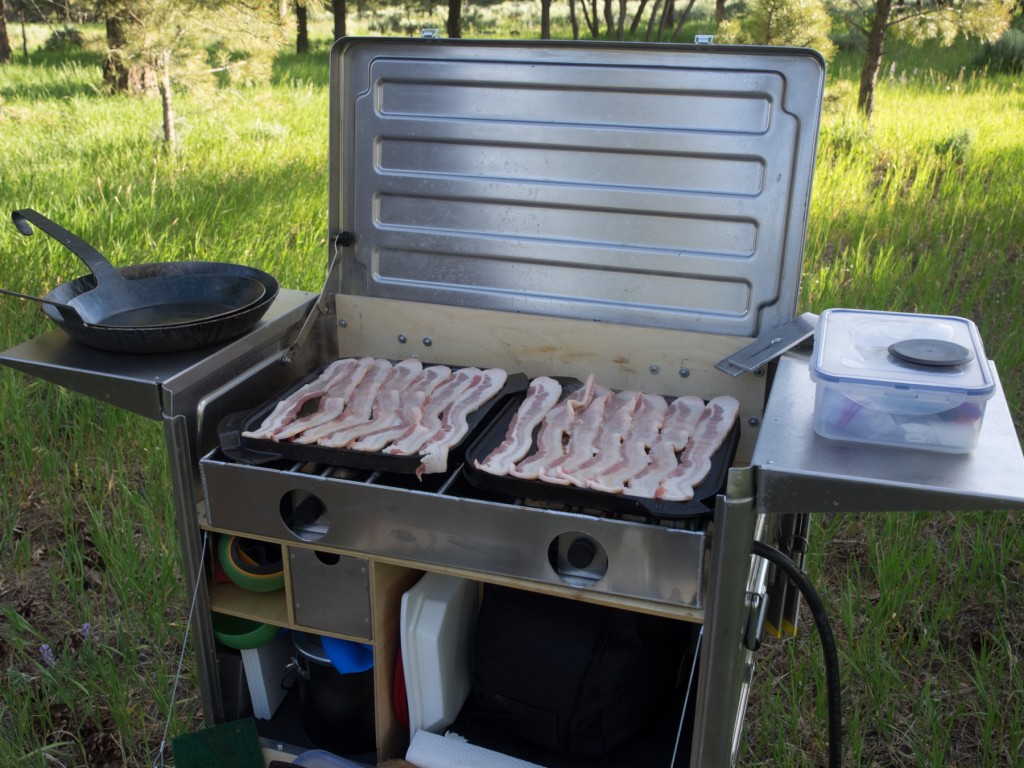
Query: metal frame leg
point(726, 664)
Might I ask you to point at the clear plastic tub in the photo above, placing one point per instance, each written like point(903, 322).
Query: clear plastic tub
point(905, 380)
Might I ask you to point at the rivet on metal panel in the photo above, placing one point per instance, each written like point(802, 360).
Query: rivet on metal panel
point(684, 372)
point(402, 338)
point(758, 371)
point(754, 421)
point(427, 341)
point(342, 323)
point(655, 369)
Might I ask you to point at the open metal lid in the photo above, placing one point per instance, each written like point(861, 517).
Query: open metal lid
point(642, 184)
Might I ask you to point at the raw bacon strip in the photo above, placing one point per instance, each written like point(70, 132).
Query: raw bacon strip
point(346, 375)
point(581, 438)
point(455, 423)
point(647, 420)
point(385, 407)
point(409, 412)
point(286, 410)
point(695, 462)
point(410, 441)
point(554, 431)
point(679, 422)
point(609, 442)
point(541, 396)
point(356, 411)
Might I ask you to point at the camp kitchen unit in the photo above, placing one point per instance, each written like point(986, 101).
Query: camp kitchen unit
point(631, 213)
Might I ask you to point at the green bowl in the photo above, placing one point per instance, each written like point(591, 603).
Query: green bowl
point(242, 634)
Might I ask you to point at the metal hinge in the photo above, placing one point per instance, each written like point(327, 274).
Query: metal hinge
point(704, 39)
point(770, 346)
point(430, 32)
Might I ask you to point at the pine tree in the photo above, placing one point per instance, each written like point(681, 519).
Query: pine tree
point(158, 45)
point(917, 21)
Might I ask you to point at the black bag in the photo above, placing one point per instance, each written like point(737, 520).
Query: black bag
point(576, 678)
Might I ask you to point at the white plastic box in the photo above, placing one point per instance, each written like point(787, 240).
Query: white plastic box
point(904, 380)
point(438, 623)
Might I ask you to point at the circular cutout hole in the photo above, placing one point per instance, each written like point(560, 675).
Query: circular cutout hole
point(578, 558)
point(327, 558)
point(305, 515)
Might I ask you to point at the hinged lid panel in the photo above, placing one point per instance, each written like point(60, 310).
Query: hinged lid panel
point(651, 185)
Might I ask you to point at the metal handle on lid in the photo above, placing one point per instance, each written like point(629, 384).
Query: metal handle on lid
point(320, 307)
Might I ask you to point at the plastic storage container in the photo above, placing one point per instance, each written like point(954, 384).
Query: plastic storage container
point(438, 621)
point(905, 380)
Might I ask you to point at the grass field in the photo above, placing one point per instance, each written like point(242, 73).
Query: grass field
point(923, 210)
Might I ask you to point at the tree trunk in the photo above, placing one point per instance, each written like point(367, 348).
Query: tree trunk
point(454, 23)
point(682, 19)
point(609, 20)
point(117, 74)
point(302, 29)
point(338, 6)
point(24, 35)
point(5, 41)
point(655, 11)
point(545, 19)
point(873, 57)
point(170, 138)
point(719, 12)
point(636, 19)
point(574, 20)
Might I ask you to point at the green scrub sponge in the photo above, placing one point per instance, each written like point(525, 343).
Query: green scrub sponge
point(228, 745)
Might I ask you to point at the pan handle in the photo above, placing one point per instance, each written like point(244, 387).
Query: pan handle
point(96, 261)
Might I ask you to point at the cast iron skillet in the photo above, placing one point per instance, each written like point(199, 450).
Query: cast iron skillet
point(235, 297)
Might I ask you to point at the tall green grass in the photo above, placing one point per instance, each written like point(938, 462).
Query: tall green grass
point(921, 210)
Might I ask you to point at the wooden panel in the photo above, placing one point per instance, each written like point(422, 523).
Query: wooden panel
point(387, 585)
point(266, 607)
point(620, 357)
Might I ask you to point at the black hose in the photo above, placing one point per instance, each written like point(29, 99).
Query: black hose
point(828, 646)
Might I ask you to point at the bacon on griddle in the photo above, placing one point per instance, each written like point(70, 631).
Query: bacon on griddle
point(355, 421)
point(695, 462)
point(609, 441)
point(679, 421)
point(455, 423)
point(554, 432)
point(541, 396)
point(409, 411)
point(288, 409)
point(361, 387)
point(580, 439)
point(633, 458)
point(409, 442)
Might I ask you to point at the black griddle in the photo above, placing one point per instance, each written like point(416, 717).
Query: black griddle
point(255, 451)
point(587, 499)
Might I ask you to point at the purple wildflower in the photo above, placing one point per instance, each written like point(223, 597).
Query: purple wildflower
point(47, 653)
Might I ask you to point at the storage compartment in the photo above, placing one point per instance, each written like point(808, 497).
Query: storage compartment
point(336, 692)
point(566, 684)
point(331, 592)
point(905, 380)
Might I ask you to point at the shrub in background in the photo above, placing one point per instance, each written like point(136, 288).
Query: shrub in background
point(63, 39)
point(1005, 55)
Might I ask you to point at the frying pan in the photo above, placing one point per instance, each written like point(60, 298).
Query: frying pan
point(158, 329)
point(159, 300)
